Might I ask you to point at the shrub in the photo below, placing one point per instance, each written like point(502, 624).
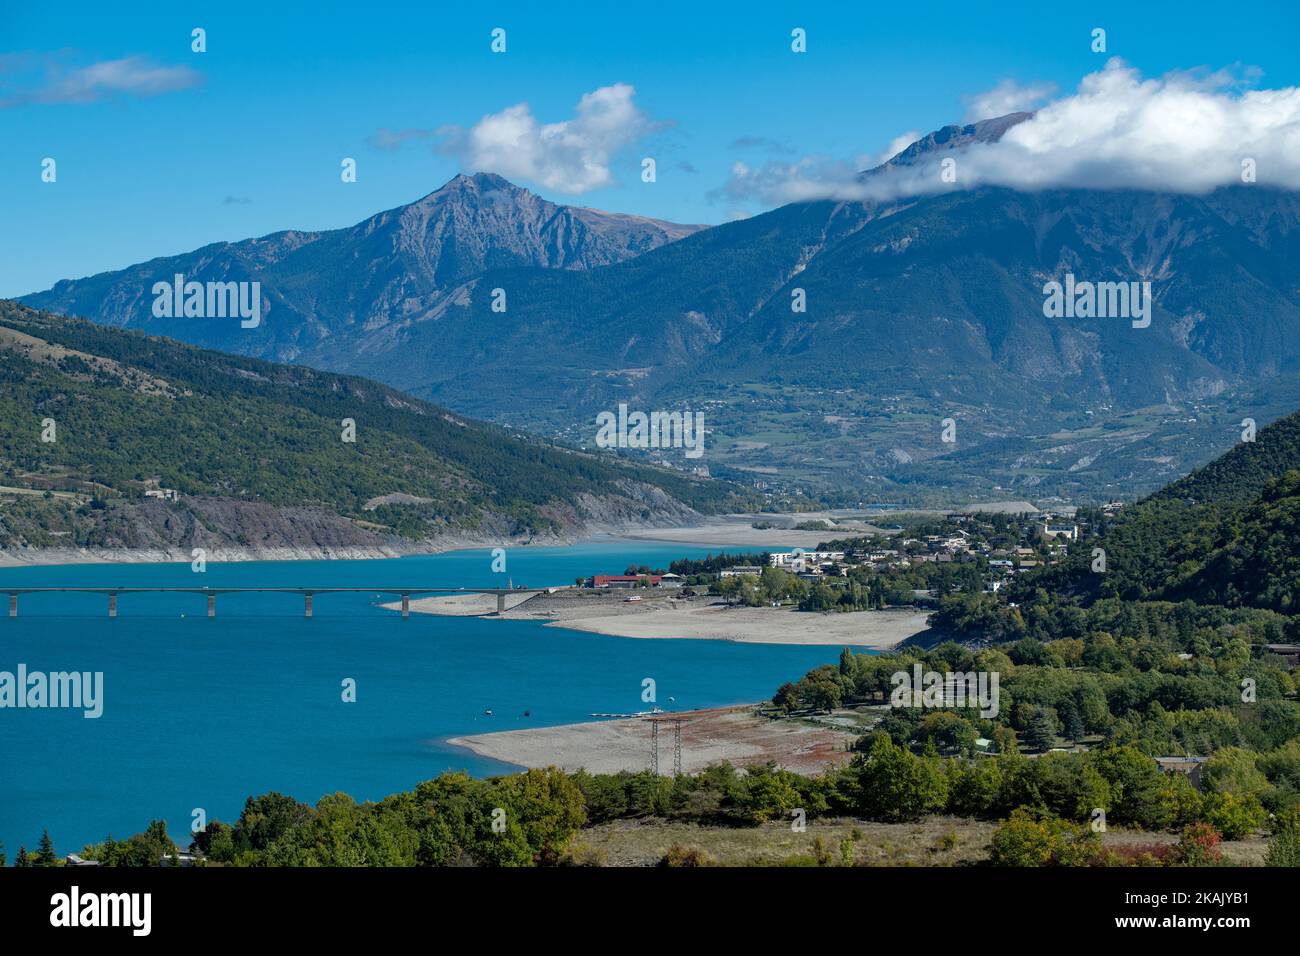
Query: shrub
point(679, 855)
point(1028, 839)
point(1198, 845)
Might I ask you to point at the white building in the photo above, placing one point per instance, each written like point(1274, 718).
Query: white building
point(803, 560)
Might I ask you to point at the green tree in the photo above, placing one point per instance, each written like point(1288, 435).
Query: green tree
point(1040, 729)
point(153, 847)
point(769, 794)
point(947, 731)
point(1136, 785)
point(786, 697)
point(1236, 771)
point(1071, 721)
point(548, 808)
point(266, 818)
point(973, 786)
point(894, 784)
point(45, 855)
point(1004, 740)
point(1234, 816)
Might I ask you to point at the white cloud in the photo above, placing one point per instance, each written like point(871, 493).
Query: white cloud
point(1007, 97)
point(132, 76)
point(1183, 132)
point(571, 156)
point(896, 146)
point(777, 183)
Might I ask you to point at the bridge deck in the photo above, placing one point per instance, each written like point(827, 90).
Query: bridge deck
point(280, 590)
point(307, 593)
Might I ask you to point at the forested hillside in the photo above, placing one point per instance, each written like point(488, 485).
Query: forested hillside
point(91, 418)
point(1223, 535)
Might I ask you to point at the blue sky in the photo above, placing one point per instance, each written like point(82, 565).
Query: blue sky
point(247, 138)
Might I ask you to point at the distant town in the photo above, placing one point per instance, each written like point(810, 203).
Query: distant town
point(914, 564)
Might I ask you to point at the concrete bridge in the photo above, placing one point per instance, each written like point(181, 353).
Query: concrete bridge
point(307, 594)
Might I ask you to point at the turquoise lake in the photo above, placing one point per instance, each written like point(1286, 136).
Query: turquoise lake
point(201, 713)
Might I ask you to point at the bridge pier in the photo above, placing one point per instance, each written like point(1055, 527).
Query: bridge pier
point(306, 610)
point(406, 605)
point(212, 605)
point(13, 605)
point(112, 605)
point(501, 604)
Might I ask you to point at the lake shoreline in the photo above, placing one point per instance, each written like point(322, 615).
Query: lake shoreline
point(730, 531)
point(665, 616)
point(46, 557)
point(736, 734)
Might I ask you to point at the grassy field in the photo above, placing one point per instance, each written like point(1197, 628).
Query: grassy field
point(937, 841)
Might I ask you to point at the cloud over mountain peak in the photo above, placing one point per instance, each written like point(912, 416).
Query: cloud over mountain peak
point(1185, 132)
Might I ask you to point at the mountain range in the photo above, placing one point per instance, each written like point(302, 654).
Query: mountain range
point(917, 311)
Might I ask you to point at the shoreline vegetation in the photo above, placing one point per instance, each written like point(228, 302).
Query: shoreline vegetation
point(884, 805)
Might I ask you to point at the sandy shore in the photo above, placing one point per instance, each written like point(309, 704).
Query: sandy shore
point(880, 630)
point(734, 734)
point(663, 615)
point(459, 605)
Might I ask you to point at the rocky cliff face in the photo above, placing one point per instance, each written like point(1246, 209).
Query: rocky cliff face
point(231, 530)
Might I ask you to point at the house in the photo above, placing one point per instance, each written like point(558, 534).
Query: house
point(166, 494)
point(1288, 652)
point(671, 580)
point(1049, 529)
point(625, 580)
point(802, 560)
point(740, 570)
point(1191, 766)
